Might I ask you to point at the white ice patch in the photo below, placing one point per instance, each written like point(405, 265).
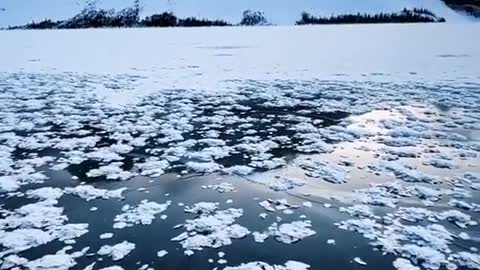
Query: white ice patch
point(316, 167)
point(286, 233)
point(223, 187)
point(238, 170)
point(289, 265)
point(111, 171)
point(404, 264)
point(213, 228)
point(89, 193)
point(144, 214)
point(118, 251)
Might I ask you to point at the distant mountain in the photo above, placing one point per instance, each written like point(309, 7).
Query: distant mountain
point(281, 12)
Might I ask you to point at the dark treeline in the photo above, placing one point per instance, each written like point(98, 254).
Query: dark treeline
point(405, 16)
point(93, 17)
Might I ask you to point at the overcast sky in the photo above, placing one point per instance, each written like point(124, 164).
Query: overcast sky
point(278, 11)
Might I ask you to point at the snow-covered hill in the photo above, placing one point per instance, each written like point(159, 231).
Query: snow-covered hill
point(283, 12)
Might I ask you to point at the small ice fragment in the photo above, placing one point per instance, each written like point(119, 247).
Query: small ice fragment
point(162, 253)
point(464, 236)
point(331, 241)
point(307, 204)
point(359, 261)
point(106, 235)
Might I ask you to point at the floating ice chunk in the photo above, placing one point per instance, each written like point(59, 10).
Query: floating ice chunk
point(289, 265)
point(23, 239)
point(268, 164)
point(416, 214)
point(45, 193)
point(293, 232)
point(153, 167)
point(286, 233)
point(203, 167)
point(202, 208)
point(331, 241)
point(267, 206)
point(106, 235)
point(467, 259)
point(35, 215)
point(377, 195)
point(212, 229)
point(318, 168)
point(464, 236)
point(77, 143)
point(223, 187)
point(115, 267)
point(89, 267)
point(313, 144)
point(307, 204)
point(162, 253)
point(104, 154)
point(238, 170)
point(69, 231)
point(121, 148)
point(359, 261)
point(460, 204)
point(405, 152)
point(89, 193)
point(285, 183)
point(404, 132)
point(118, 251)
point(404, 264)
point(368, 227)
point(144, 214)
point(358, 210)
point(431, 258)
point(458, 218)
point(440, 163)
point(12, 261)
point(8, 183)
point(52, 262)
point(400, 141)
point(180, 237)
point(407, 174)
point(111, 171)
point(210, 153)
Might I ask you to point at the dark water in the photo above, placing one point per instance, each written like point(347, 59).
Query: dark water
point(152, 238)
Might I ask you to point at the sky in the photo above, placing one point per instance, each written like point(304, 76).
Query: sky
point(281, 12)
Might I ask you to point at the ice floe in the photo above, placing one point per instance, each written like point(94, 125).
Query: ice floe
point(144, 213)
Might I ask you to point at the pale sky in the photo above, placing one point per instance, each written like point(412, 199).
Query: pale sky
point(277, 11)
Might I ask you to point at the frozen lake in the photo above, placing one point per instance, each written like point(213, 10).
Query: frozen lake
point(279, 148)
